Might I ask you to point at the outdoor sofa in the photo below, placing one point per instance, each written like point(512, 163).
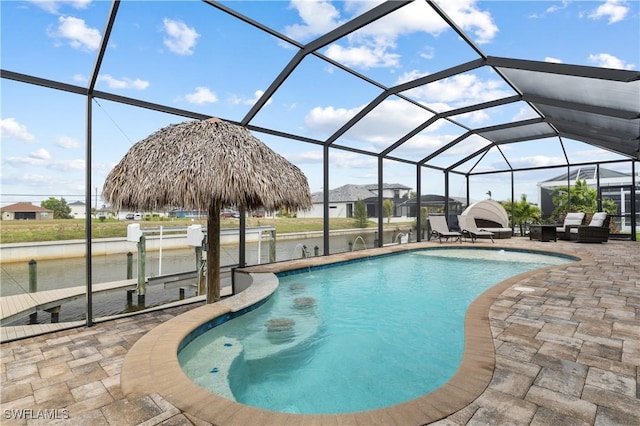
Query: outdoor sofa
point(597, 231)
point(571, 221)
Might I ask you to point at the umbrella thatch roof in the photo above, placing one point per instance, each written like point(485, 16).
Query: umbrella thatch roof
point(198, 164)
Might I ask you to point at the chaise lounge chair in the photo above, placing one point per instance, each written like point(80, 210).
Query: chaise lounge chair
point(469, 229)
point(571, 221)
point(440, 229)
point(597, 231)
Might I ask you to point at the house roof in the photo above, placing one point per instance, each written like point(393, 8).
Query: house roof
point(588, 173)
point(344, 194)
point(23, 207)
point(350, 192)
point(434, 199)
point(374, 186)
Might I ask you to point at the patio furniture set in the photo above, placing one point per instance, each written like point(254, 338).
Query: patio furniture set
point(572, 229)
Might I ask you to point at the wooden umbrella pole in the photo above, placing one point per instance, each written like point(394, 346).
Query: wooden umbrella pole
point(213, 253)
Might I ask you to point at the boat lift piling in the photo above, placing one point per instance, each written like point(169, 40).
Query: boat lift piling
point(33, 286)
point(135, 235)
point(195, 238)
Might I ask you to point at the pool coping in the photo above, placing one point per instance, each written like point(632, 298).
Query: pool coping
point(151, 365)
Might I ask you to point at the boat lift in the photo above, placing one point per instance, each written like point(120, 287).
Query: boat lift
point(196, 237)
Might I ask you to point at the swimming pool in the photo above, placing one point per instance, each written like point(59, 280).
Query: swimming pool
point(363, 335)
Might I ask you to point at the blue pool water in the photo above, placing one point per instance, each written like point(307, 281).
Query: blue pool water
point(358, 336)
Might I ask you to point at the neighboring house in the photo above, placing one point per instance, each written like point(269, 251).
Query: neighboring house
point(193, 214)
point(342, 200)
point(22, 211)
point(105, 213)
point(77, 210)
point(614, 185)
point(434, 204)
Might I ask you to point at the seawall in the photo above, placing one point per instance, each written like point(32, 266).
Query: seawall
point(23, 252)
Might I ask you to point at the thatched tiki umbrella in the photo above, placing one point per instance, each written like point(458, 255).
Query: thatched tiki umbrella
point(205, 165)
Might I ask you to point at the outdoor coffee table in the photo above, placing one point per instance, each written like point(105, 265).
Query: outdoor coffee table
point(542, 233)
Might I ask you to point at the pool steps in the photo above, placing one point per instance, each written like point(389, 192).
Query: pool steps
point(227, 350)
point(232, 355)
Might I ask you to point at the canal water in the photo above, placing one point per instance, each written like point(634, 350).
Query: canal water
point(71, 272)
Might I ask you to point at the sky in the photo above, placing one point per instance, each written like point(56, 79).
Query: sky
point(191, 56)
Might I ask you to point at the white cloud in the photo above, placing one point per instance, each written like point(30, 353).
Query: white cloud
point(363, 56)
point(378, 128)
point(42, 158)
point(40, 154)
point(536, 161)
point(201, 96)
point(475, 117)
point(606, 60)
point(326, 119)
point(555, 7)
point(53, 6)
point(77, 33)
point(25, 161)
point(525, 113)
point(339, 159)
point(374, 45)
point(614, 10)
point(470, 18)
point(180, 38)
point(124, 83)
point(64, 165)
point(307, 157)
point(349, 160)
point(236, 100)
point(318, 17)
point(428, 53)
point(35, 180)
point(256, 95)
point(11, 129)
point(425, 143)
point(552, 60)
point(67, 142)
point(456, 91)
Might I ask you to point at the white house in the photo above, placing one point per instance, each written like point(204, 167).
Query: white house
point(342, 200)
point(77, 210)
point(614, 185)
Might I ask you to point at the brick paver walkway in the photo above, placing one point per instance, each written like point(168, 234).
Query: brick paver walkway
point(567, 353)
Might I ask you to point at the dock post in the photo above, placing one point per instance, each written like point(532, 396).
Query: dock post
point(201, 276)
point(33, 287)
point(129, 265)
point(55, 314)
point(142, 260)
point(272, 247)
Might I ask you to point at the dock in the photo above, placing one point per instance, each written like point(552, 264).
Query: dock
point(19, 306)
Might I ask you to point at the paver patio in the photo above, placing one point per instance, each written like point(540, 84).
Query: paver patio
point(567, 351)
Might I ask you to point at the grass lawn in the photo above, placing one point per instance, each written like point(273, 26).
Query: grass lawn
point(22, 231)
